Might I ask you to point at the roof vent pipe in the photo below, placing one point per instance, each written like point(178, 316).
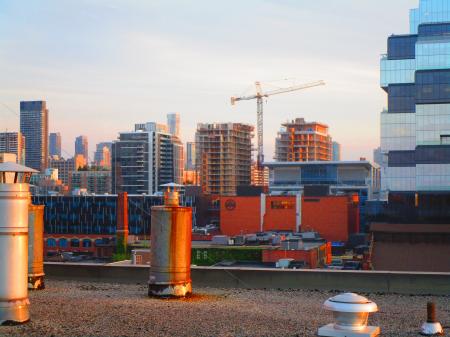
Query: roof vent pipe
point(431, 327)
point(351, 312)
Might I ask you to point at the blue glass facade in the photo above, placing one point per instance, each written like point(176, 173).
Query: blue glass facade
point(415, 128)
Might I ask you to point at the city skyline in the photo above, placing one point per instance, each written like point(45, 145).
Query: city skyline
point(137, 68)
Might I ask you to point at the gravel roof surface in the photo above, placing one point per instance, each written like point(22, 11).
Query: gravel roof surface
point(70, 308)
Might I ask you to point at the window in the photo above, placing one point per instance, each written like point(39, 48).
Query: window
point(74, 243)
point(63, 243)
point(51, 242)
point(87, 243)
point(282, 204)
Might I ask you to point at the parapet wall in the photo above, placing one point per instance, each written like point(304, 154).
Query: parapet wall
point(411, 283)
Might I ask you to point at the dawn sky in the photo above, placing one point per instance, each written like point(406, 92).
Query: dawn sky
point(104, 65)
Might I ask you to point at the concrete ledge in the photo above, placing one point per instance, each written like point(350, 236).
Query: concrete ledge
point(412, 283)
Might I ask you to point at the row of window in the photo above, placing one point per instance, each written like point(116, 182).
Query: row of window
point(430, 87)
point(402, 47)
point(435, 29)
point(421, 155)
point(74, 243)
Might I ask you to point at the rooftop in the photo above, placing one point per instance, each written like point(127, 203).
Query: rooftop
point(75, 308)
point(363, 163)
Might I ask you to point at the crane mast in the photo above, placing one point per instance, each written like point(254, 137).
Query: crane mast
point(260, 94)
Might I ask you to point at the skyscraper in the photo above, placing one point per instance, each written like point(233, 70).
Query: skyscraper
point(173, 122)
point(34, 127)
point(224, 156)
point(81, 147)
point(102, 155)
point(299, 140)
point(336, 151)
point(415, 128)
point(13, 142)
point(190, 156)
point(55, 144)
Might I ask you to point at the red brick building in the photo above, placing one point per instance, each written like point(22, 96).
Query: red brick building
point(334, 217)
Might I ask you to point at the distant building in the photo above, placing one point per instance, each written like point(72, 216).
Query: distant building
point(151, 127)
point(47, 183)
point(336, 151)
point(378, 156)
point(34, 127)
point(97, 182)
point(13, 142)
point(299, 140)
point(341, 177)
point(81, 147)
point(415, 128)
point(173, 122)
point(64, 166)
point(190, 156)
point(260, 176)
point(224, 156)
point(177, 159)
point(145, 159)
point(102, 155)
point(191, 178)
point(55, 144)
point(8, 157)
point(335, 218)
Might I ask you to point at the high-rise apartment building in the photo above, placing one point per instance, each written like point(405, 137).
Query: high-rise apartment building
point(143, 160)
point(13, 142)
point(173, 122)
point(303, 141)
point(102, 155)
point(54, 144)
point(81, 147)
point(190, 156)
point(336, 148)
point(34, 127)
point(224, 156)
point(415, 128)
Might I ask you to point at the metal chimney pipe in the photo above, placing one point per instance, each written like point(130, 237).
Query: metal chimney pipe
point(14, 201)
point(36, 247)
point(170, 250)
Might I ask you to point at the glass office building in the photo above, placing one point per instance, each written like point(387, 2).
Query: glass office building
point(34, 127)
point(415, 128)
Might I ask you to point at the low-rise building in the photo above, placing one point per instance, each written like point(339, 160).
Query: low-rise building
point(335, 218)
point(338, 177)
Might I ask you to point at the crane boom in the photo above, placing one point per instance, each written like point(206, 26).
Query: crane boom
point(260, 94)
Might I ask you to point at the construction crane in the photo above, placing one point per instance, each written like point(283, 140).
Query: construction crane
point(260, 94)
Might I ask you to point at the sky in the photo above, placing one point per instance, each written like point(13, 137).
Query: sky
point(103, 66)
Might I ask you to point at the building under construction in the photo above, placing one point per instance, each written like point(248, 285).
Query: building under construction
point(224, 156)
point(303, 141)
